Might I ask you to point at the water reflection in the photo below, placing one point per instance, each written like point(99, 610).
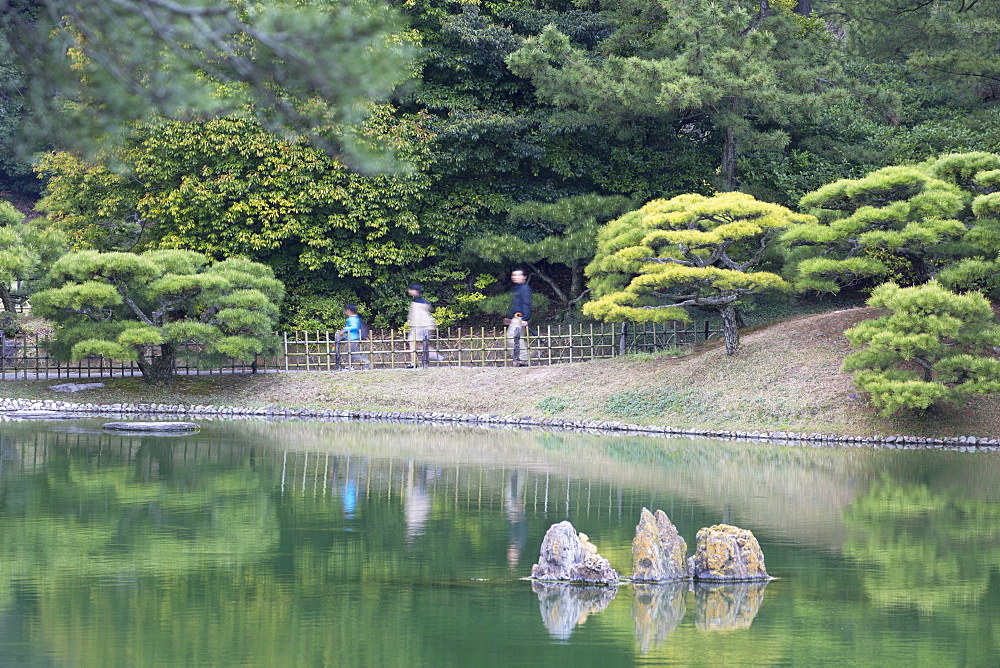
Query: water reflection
point(657, 609)
point(727, 606)
point(257, 543)
point(566, 606)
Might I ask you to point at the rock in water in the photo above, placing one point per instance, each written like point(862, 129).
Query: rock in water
point(724, 553)
point(151, 426)
point(567, 556)
point(658, 551)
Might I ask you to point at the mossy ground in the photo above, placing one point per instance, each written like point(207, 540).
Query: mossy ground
point(786, 376)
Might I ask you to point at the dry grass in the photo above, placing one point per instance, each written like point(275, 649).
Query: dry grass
point(786, 376)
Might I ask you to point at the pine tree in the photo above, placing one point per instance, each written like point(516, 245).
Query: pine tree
point(689, 251)
point(154, 307)
point(933, 345)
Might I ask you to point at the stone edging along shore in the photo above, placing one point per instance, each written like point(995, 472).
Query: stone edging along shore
point(902, 442)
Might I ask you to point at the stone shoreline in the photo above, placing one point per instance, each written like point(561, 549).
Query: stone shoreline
point(965, 443)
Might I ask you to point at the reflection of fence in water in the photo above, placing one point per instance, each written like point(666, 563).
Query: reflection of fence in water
point(464, 485)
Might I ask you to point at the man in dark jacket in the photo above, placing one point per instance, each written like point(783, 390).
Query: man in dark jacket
point(519, 315)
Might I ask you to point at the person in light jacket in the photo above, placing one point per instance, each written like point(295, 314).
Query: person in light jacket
point(421, 323)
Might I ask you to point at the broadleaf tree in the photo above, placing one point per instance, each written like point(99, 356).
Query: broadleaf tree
point(155, 307)
point(933, 345)
point(688, 251)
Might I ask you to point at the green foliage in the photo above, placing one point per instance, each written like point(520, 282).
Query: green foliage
point(9, 215)
point(896, 220)
point(953, 42)
point(553, 238)
point(226, 187)
point(751, 67)
point(933, 346)
point(689, 251)
point(553, 404)
point(91, 68)
point(153, 307)
point(26, 250)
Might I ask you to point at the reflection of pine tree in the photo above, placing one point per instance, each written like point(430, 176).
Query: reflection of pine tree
point(923, 550)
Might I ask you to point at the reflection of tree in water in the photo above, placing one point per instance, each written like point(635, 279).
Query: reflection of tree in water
point(923, 549)
point(566, 606)
point(727, 606)
point(657, 609)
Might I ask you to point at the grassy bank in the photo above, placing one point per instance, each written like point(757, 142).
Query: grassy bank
point(785, 377)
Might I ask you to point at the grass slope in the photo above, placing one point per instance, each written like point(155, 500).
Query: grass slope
point(786, 376)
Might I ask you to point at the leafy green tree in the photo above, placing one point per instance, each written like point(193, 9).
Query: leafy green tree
point(689, 251)
point(569, 227)
point(226, 187)
point(92, 67)
point(26, 251)
point(153, 307)
point(897, 222)
point(496, 144)
point(750, 68)
point(933, 345)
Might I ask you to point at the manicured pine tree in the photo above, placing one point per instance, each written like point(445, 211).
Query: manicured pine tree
point(895, 223)
point(689, 251)
point(154, 307)
point(932, 346)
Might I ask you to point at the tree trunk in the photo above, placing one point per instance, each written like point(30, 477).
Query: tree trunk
point(730, 149)
point(6, 299)
point(803, 7)
point(157, 368)
point(730, 328)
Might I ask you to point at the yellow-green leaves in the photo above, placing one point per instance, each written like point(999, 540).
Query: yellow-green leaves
point(690, 250)
point(153, 307)
point(933, 345)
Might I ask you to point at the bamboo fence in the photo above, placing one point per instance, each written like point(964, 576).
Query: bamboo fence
point(28, 356)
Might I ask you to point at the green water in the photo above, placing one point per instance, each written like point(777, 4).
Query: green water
point(311, 544)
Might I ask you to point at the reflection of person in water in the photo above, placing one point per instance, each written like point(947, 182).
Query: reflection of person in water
point(349, 498)
point(417, 507)
point(517, 525)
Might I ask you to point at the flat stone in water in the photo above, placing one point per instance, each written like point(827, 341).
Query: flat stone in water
point(152, 426)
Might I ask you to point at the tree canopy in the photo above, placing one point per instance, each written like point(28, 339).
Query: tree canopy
point(153, 307)
point(689, 251)
point(932, 346)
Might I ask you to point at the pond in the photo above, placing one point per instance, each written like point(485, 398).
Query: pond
point(311, 543)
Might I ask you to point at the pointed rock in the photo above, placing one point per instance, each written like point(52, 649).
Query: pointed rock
point(658, 551)
point(724, 553)
point(567, 556)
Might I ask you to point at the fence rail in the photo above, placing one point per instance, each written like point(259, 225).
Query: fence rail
point(28, 356)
